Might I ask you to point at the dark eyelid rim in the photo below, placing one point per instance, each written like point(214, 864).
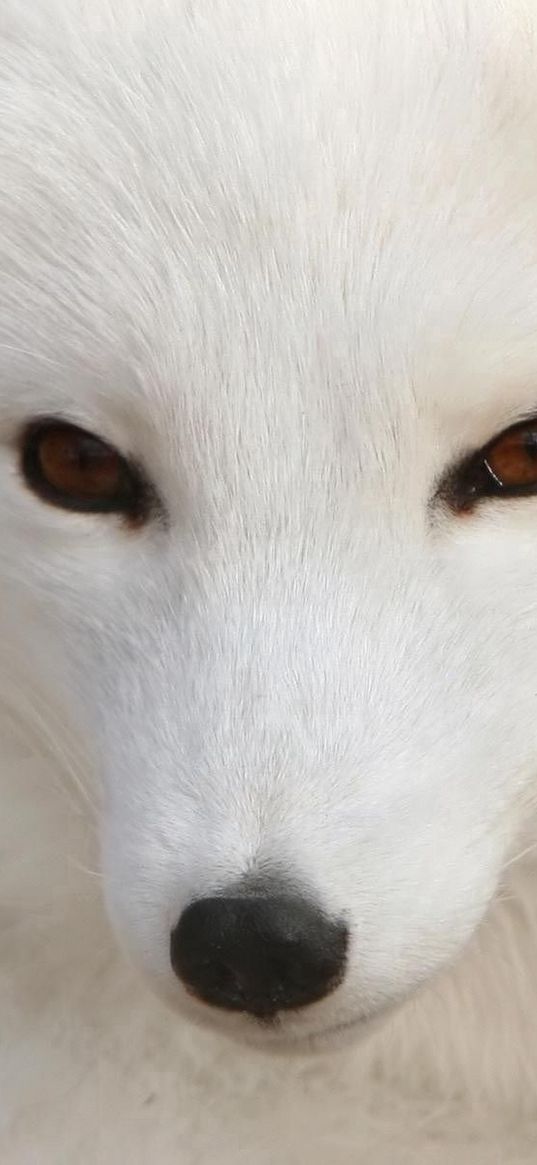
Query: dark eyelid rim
point(452, 491)
point(136, 506)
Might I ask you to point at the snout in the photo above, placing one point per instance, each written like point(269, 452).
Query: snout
point(258, 953)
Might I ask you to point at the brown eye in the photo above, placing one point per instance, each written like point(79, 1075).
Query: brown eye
point(506, 467)
point(512, 459)
point(76, 470)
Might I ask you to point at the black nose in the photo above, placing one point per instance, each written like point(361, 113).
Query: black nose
point(258, 954)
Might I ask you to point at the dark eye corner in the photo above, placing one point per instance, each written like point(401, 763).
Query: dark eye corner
point(465, 485)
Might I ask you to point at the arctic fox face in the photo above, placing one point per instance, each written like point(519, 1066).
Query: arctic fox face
point(268, 532)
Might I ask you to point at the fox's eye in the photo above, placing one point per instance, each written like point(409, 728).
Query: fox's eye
point(76, 470)
point(512, 460)
point(506, 467)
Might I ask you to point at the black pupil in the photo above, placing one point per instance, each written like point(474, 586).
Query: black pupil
point(530, 444)
point(87, 453)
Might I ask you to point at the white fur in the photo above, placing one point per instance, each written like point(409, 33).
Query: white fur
point(284, 255)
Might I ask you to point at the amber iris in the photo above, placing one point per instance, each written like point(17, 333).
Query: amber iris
point(75, 463)
point(76, 470)
point(512, 459)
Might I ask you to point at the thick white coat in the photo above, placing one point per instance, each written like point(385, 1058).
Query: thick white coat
point(284, 255)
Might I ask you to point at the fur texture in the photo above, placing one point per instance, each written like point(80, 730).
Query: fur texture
point(283, 256)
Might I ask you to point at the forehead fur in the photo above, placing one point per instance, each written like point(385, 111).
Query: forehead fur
point(269, 206)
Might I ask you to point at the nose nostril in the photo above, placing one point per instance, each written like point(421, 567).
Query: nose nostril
point(224, 978)
point(258, 953)
point(215, 973)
